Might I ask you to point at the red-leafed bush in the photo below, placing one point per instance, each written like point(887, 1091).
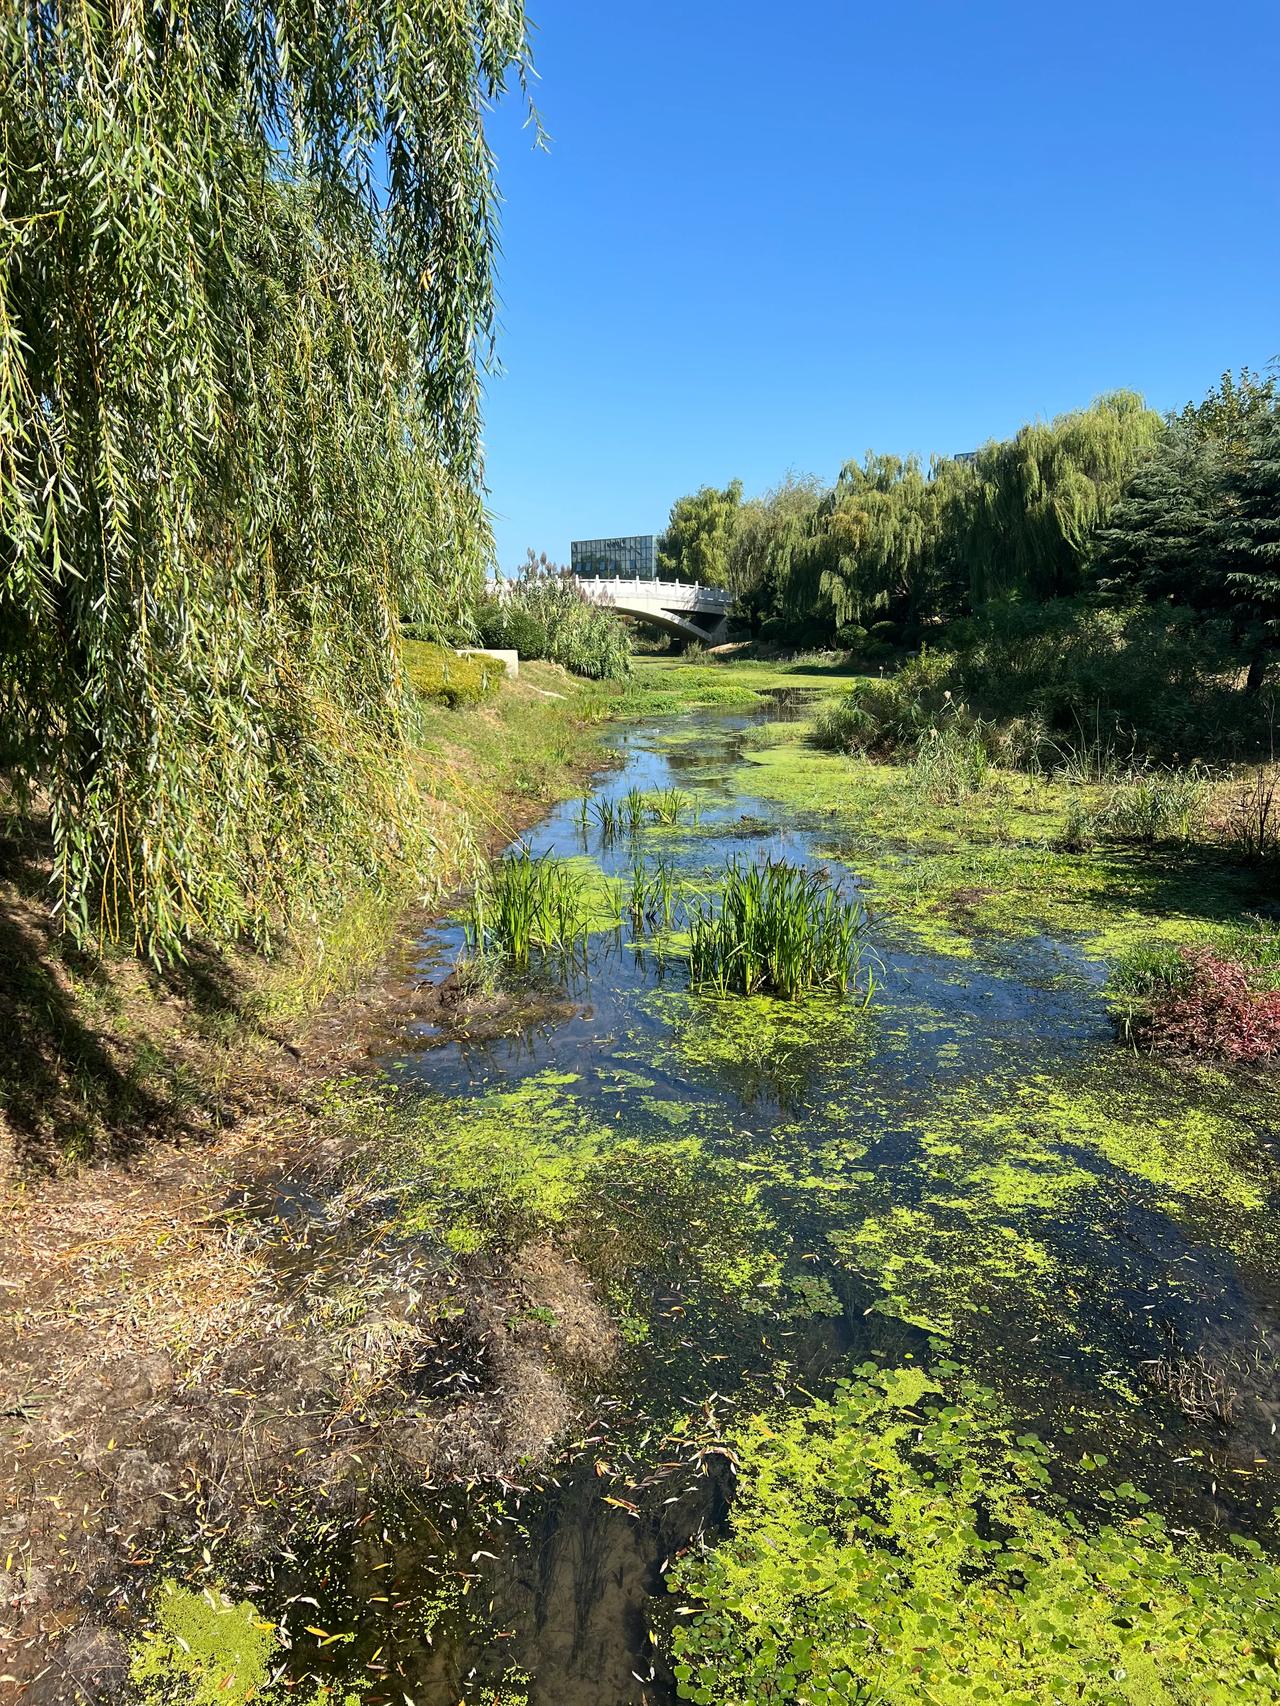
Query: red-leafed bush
point(1216, 1010)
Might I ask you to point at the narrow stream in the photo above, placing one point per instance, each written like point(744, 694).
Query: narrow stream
point(972, 1160)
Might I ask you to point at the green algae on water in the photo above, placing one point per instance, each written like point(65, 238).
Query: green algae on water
point(971, 1219)
point(206, 1649)
point(671, 1211)
point(945, 870)
point(904, 1542)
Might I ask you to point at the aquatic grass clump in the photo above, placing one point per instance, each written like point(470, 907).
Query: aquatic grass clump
point(652, 898)
point(611, 819)
point(525, 903)
point(778, 929)
point(634, 810)
point(671, 807)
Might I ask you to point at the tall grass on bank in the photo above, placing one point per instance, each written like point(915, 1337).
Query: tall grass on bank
point(1154, 805)
point(1253, 817)
point(526, 903)
point(779, 929)
point(952, 761)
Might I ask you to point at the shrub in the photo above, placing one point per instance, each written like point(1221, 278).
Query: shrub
point(851, 637)
point(546, 615)
point(1163, 682)
point(1222, 1002)
point(1082, 688)
point(883, 716)
point(437, 673)
point(503, 624)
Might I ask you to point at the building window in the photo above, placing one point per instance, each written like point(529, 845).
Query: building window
point(625, 558)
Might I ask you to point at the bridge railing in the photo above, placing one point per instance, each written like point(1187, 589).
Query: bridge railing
point(716, 596)
point(705, 594)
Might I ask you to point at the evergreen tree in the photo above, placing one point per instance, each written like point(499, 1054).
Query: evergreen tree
point(1199, 522)
point(1246, 535)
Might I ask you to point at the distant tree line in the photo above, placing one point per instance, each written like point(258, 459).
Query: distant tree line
point(1113, 501)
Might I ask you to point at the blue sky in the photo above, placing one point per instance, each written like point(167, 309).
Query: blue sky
point(770, 237)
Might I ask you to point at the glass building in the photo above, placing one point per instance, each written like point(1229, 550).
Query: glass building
point(612, 559)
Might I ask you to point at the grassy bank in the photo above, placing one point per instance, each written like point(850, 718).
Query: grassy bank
point(662, 686)
point(109, 1054)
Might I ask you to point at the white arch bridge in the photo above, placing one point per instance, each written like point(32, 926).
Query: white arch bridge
point(678, 607)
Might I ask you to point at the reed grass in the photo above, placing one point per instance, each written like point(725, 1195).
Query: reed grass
point(952, 761)
point(527, 903)
point(776, 928)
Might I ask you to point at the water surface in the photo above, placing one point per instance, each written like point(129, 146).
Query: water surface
point(972, 1162)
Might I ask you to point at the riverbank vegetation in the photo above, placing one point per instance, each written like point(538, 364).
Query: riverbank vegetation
point(1221, 1001)
point(1109, 576)
point(162, 1293)
point(543, 614)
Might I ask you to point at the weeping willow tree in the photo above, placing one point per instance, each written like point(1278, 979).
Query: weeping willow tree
point(245, 287)
point(1036, 500)
point(878, 534)
point(770, 534)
